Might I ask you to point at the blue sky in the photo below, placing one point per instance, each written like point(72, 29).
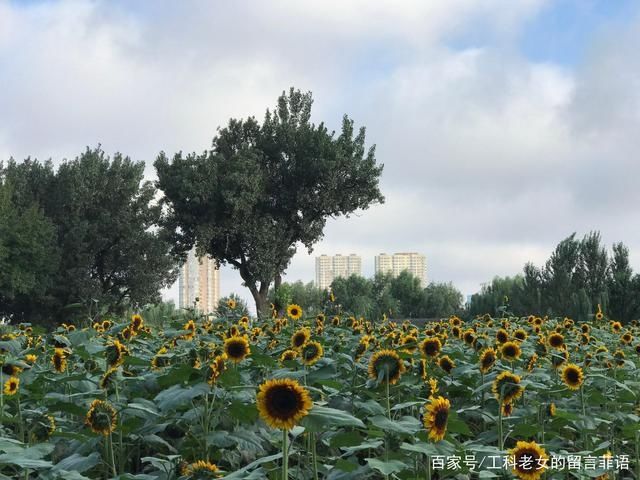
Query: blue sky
point(504, 125)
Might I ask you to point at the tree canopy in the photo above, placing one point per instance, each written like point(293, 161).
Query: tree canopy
point(89, 228)
point(579, 275)
point(263, 188)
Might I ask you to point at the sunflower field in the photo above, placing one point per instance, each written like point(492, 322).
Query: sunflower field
point(341, 397)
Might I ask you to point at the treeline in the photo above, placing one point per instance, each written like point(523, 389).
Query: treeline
point(79, 239)
point(579, 275)
point(400, 297)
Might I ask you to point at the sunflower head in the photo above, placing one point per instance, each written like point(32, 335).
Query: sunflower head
point(236, 348)
point(136, 322)
point(487, 359)
point(510, 351)
point(556, 340)
point(200, 470)
point(520, 335)
point(288, 355)
point(311, 352)
point(282, 403)
point(507, 409)
point(294, 311)
point(41, 426)
point(529, 460)
point(300, 337)
point(446, 363)
point(430, 347)
point(386, 364)
point(502, 336)
point(551, 410)
point(101, 417)
point(11, 386)
point(59, 360)
point(436, 417)
point(231, 304)
point(507, 385)
point(573, 376)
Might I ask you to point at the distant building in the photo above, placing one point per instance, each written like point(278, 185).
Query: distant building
point(414, 263)
point(199, 283)
point(337, 266)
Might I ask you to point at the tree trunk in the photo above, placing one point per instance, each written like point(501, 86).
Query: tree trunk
point(260, 297)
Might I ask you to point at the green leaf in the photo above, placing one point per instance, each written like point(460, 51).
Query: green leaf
point(386, 468)
point(405, 425)
point(77, 463)
point(321, 418)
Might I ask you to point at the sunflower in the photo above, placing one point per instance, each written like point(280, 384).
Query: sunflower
point(160, 359)
point(507, 385)
point(335, 321)
point(311, 352)
point(41, 427)
point(436, 416)
point(487, 359)
point(551, 410)
point(282, 403)
point(386, 363)
point(107, 378)
point(469, 336)
point(11, 369)
point(585, 338)
point(502, 336)
point(59, 360)
point(216, 368)
point(616, 327)
point(231, 303)
point(294, 311)
point(572, 376)
point(190, 329)
point(507, 409)
point(422, 369)
point(136, 322)
point(236, 348)
point(446, 363)
point(114, 353)
point(619, 357)
point(200, 470)
point(30, 358)
point(627, 338)
point(529, 460)
point(288, 355)
point(520, 335)
point(300, 337)
point(532, 362)
point(430, 347)
point(556, 340)
point(11, 386)
point(101, 417)
point(510, 351)
point(409, 342)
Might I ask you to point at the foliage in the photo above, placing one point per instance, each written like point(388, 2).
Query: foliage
point(399, 297)
point(106, 252)
point(170, 415)
point(578, 276)
point(264, 188)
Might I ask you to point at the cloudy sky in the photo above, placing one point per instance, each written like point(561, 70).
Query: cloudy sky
point(503, 125)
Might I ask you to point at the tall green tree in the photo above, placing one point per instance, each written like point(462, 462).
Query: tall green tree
point(263, 189)
point(28, 254)
point(441, 300)
point(105, 219)
point(622, 286)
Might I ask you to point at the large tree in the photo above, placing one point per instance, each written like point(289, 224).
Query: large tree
point(105, 221)
point(263, 189)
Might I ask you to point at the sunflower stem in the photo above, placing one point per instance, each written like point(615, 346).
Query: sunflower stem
point(388, 399)
point(113, 460)
point(285, 454)
point(314, 456)
point(584, 416)
point(500, 433)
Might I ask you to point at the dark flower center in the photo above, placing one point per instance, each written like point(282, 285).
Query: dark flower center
point(282, 402)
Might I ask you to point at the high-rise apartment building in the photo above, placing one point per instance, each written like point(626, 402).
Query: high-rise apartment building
point(199, 283)
point(329, 267)
point(414, 263)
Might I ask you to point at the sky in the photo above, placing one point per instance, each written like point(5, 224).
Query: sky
point(503, 125)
